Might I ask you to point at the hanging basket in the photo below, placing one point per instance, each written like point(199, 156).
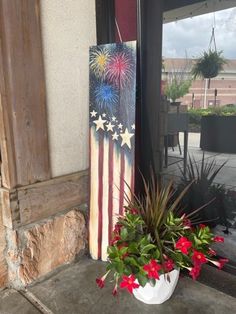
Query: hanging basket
point(209, 65)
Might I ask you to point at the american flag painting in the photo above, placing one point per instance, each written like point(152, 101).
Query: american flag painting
point(112, 138)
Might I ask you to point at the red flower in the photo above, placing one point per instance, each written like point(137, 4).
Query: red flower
point(100, 282)
point(220, 263)
point(115, 239)
point(183, 244)
point(218, 239)
point(133, 211)
point(117, 228)
point(123, 244)
point(129, 283)
point(211, 252)
point(195, 272)
point(198, 258)
point(187, 222)
point(202, 226)
point(152, 269)
point(169, 265)
point(115, 291)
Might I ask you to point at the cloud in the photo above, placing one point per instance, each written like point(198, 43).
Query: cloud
point(192, 36)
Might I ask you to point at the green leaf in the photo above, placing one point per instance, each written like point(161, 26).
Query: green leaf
point(127, 270)
point(131, 260)
point(119, 267)
point(142, 260)
point(142, 279)
point(133, 248)
point(110, 266)
point(124, 233)
point(112, 255)
point(147, 248)
point(144, 242)
point(123, 250)
point(156, 254)
point(112, 250)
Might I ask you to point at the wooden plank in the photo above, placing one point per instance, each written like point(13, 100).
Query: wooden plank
point(3, 266)
point(8, 166)
point(10, 208)
point(42, 200)
point(23, 89)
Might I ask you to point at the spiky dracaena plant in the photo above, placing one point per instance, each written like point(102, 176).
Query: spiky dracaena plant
point(203, 193)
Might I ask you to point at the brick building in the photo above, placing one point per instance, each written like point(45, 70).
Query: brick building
point(224, 83)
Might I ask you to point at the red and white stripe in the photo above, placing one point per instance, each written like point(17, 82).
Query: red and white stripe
point(109, 170)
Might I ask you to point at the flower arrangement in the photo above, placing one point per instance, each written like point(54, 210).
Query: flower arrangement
point(151, 239)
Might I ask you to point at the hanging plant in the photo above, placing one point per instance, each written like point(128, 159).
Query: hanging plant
point(209, 65)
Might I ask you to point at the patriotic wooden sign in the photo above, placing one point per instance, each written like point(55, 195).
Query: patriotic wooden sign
point(112, 138)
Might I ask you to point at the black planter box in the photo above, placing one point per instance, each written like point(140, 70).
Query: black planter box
point(218, 134)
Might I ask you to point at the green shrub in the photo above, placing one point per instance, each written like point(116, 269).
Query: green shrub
point(195, 115)
point(177, 89)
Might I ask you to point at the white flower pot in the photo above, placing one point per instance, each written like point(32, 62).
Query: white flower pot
point(162, 290)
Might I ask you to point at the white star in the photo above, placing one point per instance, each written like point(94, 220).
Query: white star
point(99, 123)
point(126, 136)
point(133, 126)
point(120, 126)
point(110, 127)
point(115, 136)
point(113, 118)
point(93, 113)
point(104, 115)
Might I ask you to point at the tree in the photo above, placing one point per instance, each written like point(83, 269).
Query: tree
point(177, 89)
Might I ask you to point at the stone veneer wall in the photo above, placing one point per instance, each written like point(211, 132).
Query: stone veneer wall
point(37, 249)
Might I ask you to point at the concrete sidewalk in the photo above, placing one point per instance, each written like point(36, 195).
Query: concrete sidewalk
point(73, 291)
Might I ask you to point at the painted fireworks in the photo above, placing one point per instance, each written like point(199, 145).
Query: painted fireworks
point(112, 138)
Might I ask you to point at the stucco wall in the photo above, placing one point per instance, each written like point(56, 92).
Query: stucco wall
point(68, 29)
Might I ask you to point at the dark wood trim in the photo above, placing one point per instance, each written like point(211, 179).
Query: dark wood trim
point(24, 141)
point(175, 4)
point(149, 83)
point(38, 201)
point(105, 17)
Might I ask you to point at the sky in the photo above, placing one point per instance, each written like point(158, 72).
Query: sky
point(192, 36)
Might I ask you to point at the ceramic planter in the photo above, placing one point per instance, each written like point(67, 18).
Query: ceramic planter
point(162, 290)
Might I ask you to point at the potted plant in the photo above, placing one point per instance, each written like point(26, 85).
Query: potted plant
point(152, 243)
point(209, 64)
point(218, 129)
point(176, 89)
